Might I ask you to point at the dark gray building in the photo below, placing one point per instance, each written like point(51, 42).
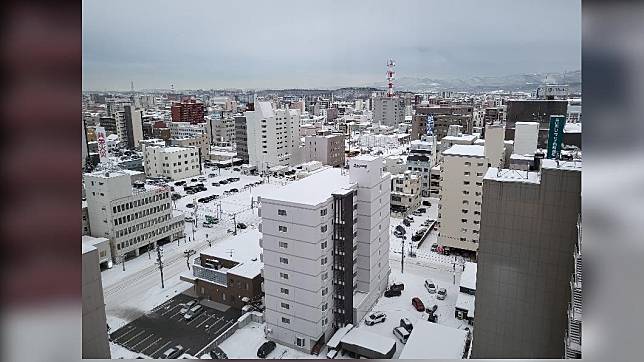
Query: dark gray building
point(533, 110)
point(528, 234)
point(94, 325)
point(241, 138)
point(133, 126)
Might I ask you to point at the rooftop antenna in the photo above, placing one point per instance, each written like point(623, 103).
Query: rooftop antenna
point(390, 77)
point(132, 85)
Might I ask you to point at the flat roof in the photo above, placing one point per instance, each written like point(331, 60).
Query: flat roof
point(311, 190)
point(337, 336)
point(506, 175)
point(248, 269)
point(466, 302)
point(565, 165)
point(468, 278)
point(465, 150)
point(370, 340)
point(431, 340)
point(239, 248)
point(464, 137)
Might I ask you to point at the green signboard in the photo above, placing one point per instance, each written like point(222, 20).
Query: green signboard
point(555, 136)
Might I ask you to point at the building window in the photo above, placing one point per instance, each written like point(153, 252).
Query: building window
point(283, 245)
point(283, 228)
point(324, 276)
point(284, 291)
point(325, 291)
point(323, 245)
point(285, 305)
point(323, 212)
point(283, 260)
point(466, 182)
point(281, 212)
point(468, 164)
point(464, 220)
point(323, 260)
point(299, 342)
point(286, 320)
point(284, 276)
point(323, 228)
point(325, 306)
point(466, 173)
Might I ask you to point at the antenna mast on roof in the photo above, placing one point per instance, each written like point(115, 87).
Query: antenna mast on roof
point(390, 77)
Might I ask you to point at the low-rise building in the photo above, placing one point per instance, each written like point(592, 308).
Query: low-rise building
point(133, 218)
point(465, 301)
point(229, 271)
point(405, 193)
point(174, 163)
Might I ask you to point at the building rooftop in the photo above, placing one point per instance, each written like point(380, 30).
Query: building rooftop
point(467, 302)
point(565, 165)
point(432, 340)
point(240, 248)
point(468, 278)
point(89, 243)
point(465, 137)
point(506, 175)
point(313, 189)
point(572, 128)
point(465, 150)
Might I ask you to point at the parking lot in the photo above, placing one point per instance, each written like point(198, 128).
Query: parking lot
point(165, 327)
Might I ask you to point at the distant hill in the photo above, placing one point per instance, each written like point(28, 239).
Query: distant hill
point(514, 82)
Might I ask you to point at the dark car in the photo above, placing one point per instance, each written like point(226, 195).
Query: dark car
point(422, 210)
point(217, 353)
point(418, 304)
point(427, 203)
point(179, 183)
point(406, 222)
point(399, 286)
point(193, 180)
point(392, 293)
point(190, 206)
point(176, 196)
point(265, 349)
point(241, 225)
point(216, 184)
point(233, 190)
point(434, 247)
point(223, 182)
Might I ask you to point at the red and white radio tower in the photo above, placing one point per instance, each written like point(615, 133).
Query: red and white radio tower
point(390, 78)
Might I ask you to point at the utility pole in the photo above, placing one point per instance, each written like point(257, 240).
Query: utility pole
point(188, 254)
point(149, 256)
point(402, 253)
point(208, 240)
point(123, 261)
point(454, 270)
point(160, 263)
point(235, 224)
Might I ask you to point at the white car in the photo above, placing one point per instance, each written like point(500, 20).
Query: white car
point(186, 307)
point(430, 286)
point(375, 318)
point(442, 293)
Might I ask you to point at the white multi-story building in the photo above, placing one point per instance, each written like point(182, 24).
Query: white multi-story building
point(222, 130)
point(328, 149)
point(388, 111)
point(132, 218)
point(186, 129)
point(325, 251)
point(405, 193)
point(459, 210)
point(273, 135)
point(173, 162)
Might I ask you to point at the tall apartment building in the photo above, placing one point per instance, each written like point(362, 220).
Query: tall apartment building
point(328, 149)
point(132, 119)
point(272, 135)
point(528, 234)
point(173, 162)
point(188, 111)
point(573, 332)
point(223, 130)
point(95, 343)
point(421, 159)
point(389, 111)
point(132, 218)
point(459, 210)
point(109, 123)
point(325, 251)
point(241, 138)
point(405, 193)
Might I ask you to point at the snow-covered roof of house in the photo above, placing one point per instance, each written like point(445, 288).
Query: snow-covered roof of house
point(465, 150)
point(506, 175)
point(375, 342)
point(244, 247)
point(311, 190)
point(468, 278)
point(248, 269)
point(431, 340)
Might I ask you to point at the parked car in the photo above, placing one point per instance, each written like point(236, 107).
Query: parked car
point(223, 182)
point(179, 183)
point(375, 318)
point(392, 293)
point(176, 196)
point(173, 352)
point(189, 219)
point(406, 323)
point(236, 169)
point(434, 247)
point(441, 294)
point(233, 190)
point(422, 210)
point(190, 206)
point(218, 353)
point(193, 312)
point(409, 218)
point(193, 180)
point(406, 222)
point(241, 225)
point(418, 304)
point(398, 234)
point(211, 175)
point(188, 305)
point(400, 229)
point(265, 349)
point(216, 184)
point(417, 213)
point(399, 286)
point(402, 334)
point(427, 203)
point(430, 286)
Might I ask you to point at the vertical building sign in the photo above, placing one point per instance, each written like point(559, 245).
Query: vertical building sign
point(555, 136)
point(430, 125)
point(102, 146)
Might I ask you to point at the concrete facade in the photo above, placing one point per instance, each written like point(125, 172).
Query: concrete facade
point(528, 234)
point(388, 111)
point(405, 193)
point(173, 162)
point(241, 138)
point(327, 149)
point(94, 323)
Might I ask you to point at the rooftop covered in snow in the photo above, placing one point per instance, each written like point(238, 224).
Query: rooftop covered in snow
point(313, 189)
point(465, 150)
point(507, 175)
point(431, 340)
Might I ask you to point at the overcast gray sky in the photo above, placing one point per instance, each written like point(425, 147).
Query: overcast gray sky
point(279, 44)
